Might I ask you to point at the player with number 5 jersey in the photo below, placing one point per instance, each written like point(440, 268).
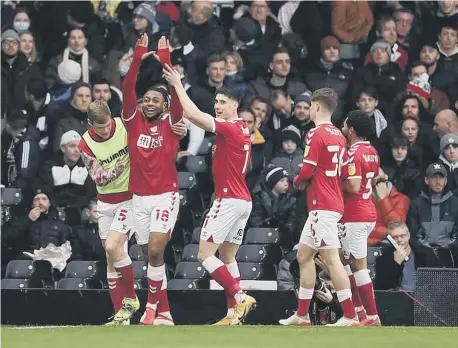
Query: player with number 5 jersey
point(225, 223)
point(320, 173)
point(360, 169)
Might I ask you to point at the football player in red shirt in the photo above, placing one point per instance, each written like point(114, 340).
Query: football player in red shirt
point(324, 150)
point(153, 177)
point(225, 223)
point(360, 169)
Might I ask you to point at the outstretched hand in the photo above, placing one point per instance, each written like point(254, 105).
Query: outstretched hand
point(171, 75)
point(141, 48)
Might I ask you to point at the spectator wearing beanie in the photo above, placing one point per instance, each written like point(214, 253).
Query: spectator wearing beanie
point(274, 205)
point(71, 115)
point(449, 158)
point(75, 51)
point(386, 30)
point(351, 22)
point(301, 113)
point(333, 73)
point(384, 75)
point(290, 154)
point(16, 72)
point(66, 177)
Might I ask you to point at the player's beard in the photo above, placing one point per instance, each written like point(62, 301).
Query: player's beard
point(152, 116)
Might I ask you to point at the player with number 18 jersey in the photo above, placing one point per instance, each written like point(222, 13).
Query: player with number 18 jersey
point(324, 149)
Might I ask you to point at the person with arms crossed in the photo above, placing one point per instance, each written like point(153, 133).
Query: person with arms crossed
point(361, 167)
point(224, 225)
point(104, 152)
point(153, 178)
point(324, 150)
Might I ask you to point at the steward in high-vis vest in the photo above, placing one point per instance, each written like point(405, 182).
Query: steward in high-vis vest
point(105, 154)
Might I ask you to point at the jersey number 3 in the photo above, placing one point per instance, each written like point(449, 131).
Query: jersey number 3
point(337, 159)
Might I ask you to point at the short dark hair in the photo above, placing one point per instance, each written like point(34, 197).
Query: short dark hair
point(416, 64)
point(361, 123)
point(399, 140)
point(37, 88)
point(259, 100)
point(100, 81)
point(279, 49)
point(381, 22)
point(232, 93)
point(370, 91)
point(327, 98)
point(160, 89)
point(276, 94)
point(249, 111)
point(17, 119)
point(215, 58)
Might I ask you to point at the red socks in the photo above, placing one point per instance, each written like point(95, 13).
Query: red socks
point(126, 270)
point(234, 272)
point(355, 292)
point(344, 297)
point(303, 302)
point(115, 289)
point(366, 291)
point(157, 289)
point(220, 273)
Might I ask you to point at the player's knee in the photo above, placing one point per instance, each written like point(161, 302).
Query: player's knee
point(112, 249)
point(302, 258)
point(202, 255)
point(156, 256)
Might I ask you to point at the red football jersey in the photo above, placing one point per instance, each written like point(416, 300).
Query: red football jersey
point(361, 161)
point(152, 148)
point(324, 150)
point(231, 159)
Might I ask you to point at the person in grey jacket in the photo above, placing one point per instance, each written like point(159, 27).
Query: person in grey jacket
point(290, 154)
point(433, 216)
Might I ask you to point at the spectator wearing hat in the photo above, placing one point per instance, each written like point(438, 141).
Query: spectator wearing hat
point(402, 169)
point(333, 73)
point(66, 177)
point(75, 51)
point(449, 159)
point(21, 154)
point(16, 72)
point(384, 75)
point(290, 154)
point(280, 78)
point(274, 205)
point(351, 22)
point(433, 215)
point(420, 87)
point(71, 115)
point(301, 113)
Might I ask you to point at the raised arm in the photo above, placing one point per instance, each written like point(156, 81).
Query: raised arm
point(191, 111)
point(128, 87)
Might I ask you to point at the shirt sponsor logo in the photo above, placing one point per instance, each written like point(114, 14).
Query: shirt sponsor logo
point(115, 156)
point(149, 142)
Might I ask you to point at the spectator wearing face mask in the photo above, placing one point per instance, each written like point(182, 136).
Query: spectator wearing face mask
point(234, 72)
point(290, 154)
point(449, 159)
point(66, 177)
point(274, 205)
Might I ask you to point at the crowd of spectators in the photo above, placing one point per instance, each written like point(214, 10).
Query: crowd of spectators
point(396, 61)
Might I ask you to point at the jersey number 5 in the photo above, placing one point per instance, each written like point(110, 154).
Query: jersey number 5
point(337, 159)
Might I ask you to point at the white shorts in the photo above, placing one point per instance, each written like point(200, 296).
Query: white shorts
point(320, 230)
point(157, 213)
point(226, 221)
point(114, 217)
point(353, 237)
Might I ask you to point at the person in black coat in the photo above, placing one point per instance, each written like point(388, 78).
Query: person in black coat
point(385, 76)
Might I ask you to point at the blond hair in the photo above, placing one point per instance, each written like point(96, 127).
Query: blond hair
point(34, 54)
point(236, 57)
point(98, 111)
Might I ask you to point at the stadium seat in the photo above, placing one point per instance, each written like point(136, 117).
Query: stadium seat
point(190, 270)
point(182, 284)
point(79, 284)
point(196, 235)
point(261, 235)
point(183, 198)
point(18, 269)
point(205, 146)
point(190, 252)
point(186, 180)
point(252, 253)
point(372, 254)
point(82, 269)
point(136, 253)
point(196, 164)
point(15, 283)
point(256, 271)
point(39, 272)
point(140, 284)
point(140, 269)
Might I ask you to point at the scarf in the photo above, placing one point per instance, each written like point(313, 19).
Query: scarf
point(84, 61)
point(380, 122)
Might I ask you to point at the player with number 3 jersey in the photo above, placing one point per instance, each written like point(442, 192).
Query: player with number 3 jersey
point(360, 169)
point(320, 173)
point(225, 223)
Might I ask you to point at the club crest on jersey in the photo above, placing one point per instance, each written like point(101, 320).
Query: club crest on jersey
point(153, 130)
point(306, 150)
point(351, 169)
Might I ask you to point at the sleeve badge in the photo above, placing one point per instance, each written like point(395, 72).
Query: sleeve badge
point(351, 169)
point(306, 151)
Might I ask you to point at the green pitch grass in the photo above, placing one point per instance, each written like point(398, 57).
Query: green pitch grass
point(222, 337)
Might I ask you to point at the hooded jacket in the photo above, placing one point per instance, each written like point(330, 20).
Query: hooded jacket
point(433, 221)
point(452, 177)
point(291, 162)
